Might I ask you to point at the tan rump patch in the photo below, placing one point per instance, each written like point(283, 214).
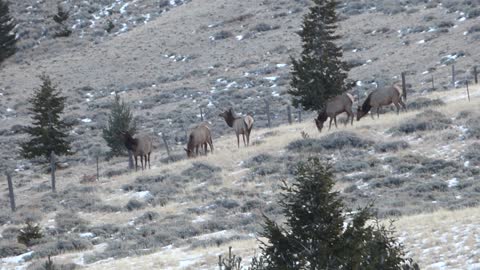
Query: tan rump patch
point(248, 120)
point(399, 89)
point(351, 97)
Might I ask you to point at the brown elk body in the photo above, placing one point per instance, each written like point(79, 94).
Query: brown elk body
point(382, 97)
point(241, 125)
point(141, 146)
point(200, 136)
point(334, 107)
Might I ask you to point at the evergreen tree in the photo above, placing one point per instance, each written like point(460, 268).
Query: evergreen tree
point(120, 120)
point(319, 74)
point(315, 236)
point(7, 35)
point(48, 131)
point(60, 18)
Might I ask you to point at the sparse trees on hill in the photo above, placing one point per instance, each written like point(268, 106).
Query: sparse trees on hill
point(48, 131)
point(315, 235)
point(7, 34)
point(120, 120)
point(320, 73)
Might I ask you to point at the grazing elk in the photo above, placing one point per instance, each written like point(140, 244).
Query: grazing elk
point(382, 97)
point(241, 125)
point(334, 107)
point(200, 136)
point(141, 146)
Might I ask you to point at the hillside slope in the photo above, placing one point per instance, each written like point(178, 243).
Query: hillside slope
point(183, 214)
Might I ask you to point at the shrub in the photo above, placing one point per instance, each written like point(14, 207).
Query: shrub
point(350, 166)
point(432, 186)
point(263, 27)
point(148, 216)
point(70, 222)
point(473, 126)
point(29, 233)
point(420, 103)
point(390, 182)
point(427, 120)
point(12, 249)
point(201, 171)
point(342, 139)
point(27, 215)
point(222, 35)
point(445, 24)
point(472, 154)
point(134, 204)
point(336, 140)
point(438, 166)
point(61, 246)
point(391, 146)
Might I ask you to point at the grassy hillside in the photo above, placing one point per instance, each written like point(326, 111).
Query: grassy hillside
point(187, 212)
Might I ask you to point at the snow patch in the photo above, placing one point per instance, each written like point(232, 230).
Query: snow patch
point(452, 182)
point(86, 235)
point(16, 259)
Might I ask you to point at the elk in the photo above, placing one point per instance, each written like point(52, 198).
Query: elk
point(141, 146)
point(200, 136)
point(241, 125)
point(382, 97)
point(334, 107)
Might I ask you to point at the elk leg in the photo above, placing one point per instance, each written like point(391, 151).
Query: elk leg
point(238, 141)
point(141, 161)
point(330, 125)
point(205, 148)
point(335, 120)
point(243, 137)
point(248, 138)
point(196, 150)
point(148, 160)
point(372, 112)
point(211, 145)
point(378, 112)
point(398, 107)
point(136, 166)
point(403, 105)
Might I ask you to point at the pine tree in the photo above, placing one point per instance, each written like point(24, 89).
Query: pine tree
point(120, 120)
point(315, 236)
point(320, 73)
point(48, 131)
point(60, 18)
point(7, 35)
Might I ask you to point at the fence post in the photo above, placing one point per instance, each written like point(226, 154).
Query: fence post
point(185, 128)
point(453, 75)
point(98, 172)
point(267, 104)
point(299, 115)
point(289, 113)
point(52, 169)
point(166, 145)
point(433, 83)
point(201, 113)
point(404, 86)
point(468, 92)
point(10, 191)
point(475, 74)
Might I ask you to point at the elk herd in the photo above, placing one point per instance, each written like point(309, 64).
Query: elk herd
point(201, 136)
